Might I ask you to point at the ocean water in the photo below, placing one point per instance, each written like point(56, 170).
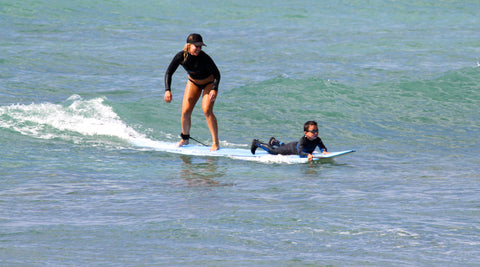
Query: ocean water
point(399, 81)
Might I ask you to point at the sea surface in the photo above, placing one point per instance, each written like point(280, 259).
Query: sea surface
point(398, 81)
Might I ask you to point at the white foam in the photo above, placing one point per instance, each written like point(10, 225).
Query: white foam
point(47, 120)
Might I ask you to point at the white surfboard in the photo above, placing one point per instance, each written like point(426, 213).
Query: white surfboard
point(236, 153)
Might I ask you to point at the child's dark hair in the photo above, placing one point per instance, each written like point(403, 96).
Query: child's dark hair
point(308, 124)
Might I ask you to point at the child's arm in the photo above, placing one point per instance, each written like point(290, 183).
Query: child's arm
point(322, 147)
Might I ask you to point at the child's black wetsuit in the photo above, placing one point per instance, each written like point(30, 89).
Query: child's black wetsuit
point(301, 148)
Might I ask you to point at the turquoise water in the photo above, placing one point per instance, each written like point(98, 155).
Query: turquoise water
point(396, 80)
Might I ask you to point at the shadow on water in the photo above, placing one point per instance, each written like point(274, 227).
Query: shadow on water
point(327, 162)
point(202, 172)
point(316, 167)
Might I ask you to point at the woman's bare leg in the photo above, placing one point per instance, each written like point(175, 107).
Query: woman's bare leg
point(207, 107)
point(190, 98)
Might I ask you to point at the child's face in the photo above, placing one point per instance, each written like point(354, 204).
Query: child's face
point(312, 132)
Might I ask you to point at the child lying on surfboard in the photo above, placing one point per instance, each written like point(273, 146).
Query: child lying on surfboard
point(304, 147)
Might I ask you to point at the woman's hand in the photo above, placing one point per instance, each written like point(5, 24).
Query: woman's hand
point(168, 96)
point(213, 95)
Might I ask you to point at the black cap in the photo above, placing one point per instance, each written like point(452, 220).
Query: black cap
point(195, 39)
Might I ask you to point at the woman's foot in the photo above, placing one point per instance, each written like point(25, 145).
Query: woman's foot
point(182, 142)
point(214, 147)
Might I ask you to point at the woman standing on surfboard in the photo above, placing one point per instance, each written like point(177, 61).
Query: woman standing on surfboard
point(203, 75)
